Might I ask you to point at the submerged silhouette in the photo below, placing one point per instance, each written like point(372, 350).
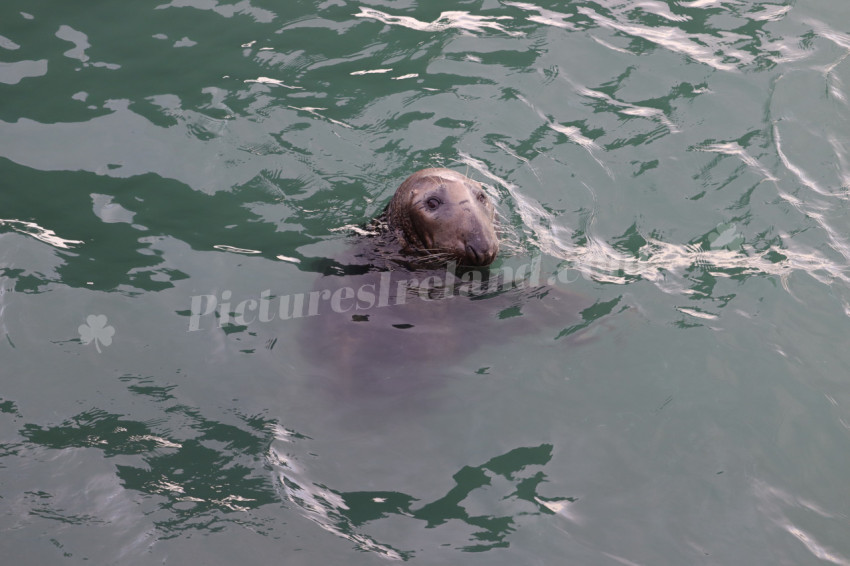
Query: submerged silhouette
point(413, 295)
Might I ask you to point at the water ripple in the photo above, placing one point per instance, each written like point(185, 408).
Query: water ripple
point(447, 20)
point(658, 261)
point(39, 233)
point(773, 503)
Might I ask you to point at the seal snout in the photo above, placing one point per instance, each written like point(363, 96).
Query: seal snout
point(478, 243)
point(480, 255)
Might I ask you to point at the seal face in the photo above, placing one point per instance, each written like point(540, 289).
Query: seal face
point(445, 215)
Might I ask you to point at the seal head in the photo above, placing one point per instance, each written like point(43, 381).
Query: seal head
point(441, 213)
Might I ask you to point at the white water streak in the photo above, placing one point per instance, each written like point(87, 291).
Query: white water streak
point(609, 46)
point(235, 250)
point(697, 313)
point(809, 209)
point(447, 20)
point(661, 9)
point(573, 134)
point(315, 111)
point(796, 171)
point(700, 3)
point(656, 261)
point(699, 47)
point(735, 150)
point(840, 149)
point(316, 502)
point(773, 14)
point(842, 40)
point(826, 32)
point(39, 233)
point(371, 72)
point(545, 17)
point(772, 500)
point(628, 108)
point(503, 146)
point(273, 82)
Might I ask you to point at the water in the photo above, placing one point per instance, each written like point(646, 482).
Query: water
point(678, 170)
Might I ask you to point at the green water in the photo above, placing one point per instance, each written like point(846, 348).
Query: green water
point(680, 169)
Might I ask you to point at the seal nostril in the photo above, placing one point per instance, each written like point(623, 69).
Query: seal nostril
point(473, 254)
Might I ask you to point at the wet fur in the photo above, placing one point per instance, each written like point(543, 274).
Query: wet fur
point(462, 227)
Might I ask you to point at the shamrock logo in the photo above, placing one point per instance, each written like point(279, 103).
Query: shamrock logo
point(97, 330)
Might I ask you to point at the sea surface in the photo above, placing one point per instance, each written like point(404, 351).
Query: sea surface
point(667, 382)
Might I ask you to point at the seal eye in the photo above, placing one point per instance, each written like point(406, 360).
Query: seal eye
point(482, 198)
point(432, 203)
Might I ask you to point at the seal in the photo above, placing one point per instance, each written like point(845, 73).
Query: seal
point(440, 215)
point(398, 311)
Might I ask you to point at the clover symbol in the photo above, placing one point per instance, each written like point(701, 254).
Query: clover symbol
point(97, 330)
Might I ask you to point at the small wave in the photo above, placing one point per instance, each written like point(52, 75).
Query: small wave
point(371, 72)
point(233, 249)
point(574, 134)
point(447, 20)
point(545, 17)
point(699, 47)
point(735, 150)
point(315, 112)
point(773, 501)
point(628, 108)
point(39, 233)
point(318, 503)
point(270, 81)
point(657, 260)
